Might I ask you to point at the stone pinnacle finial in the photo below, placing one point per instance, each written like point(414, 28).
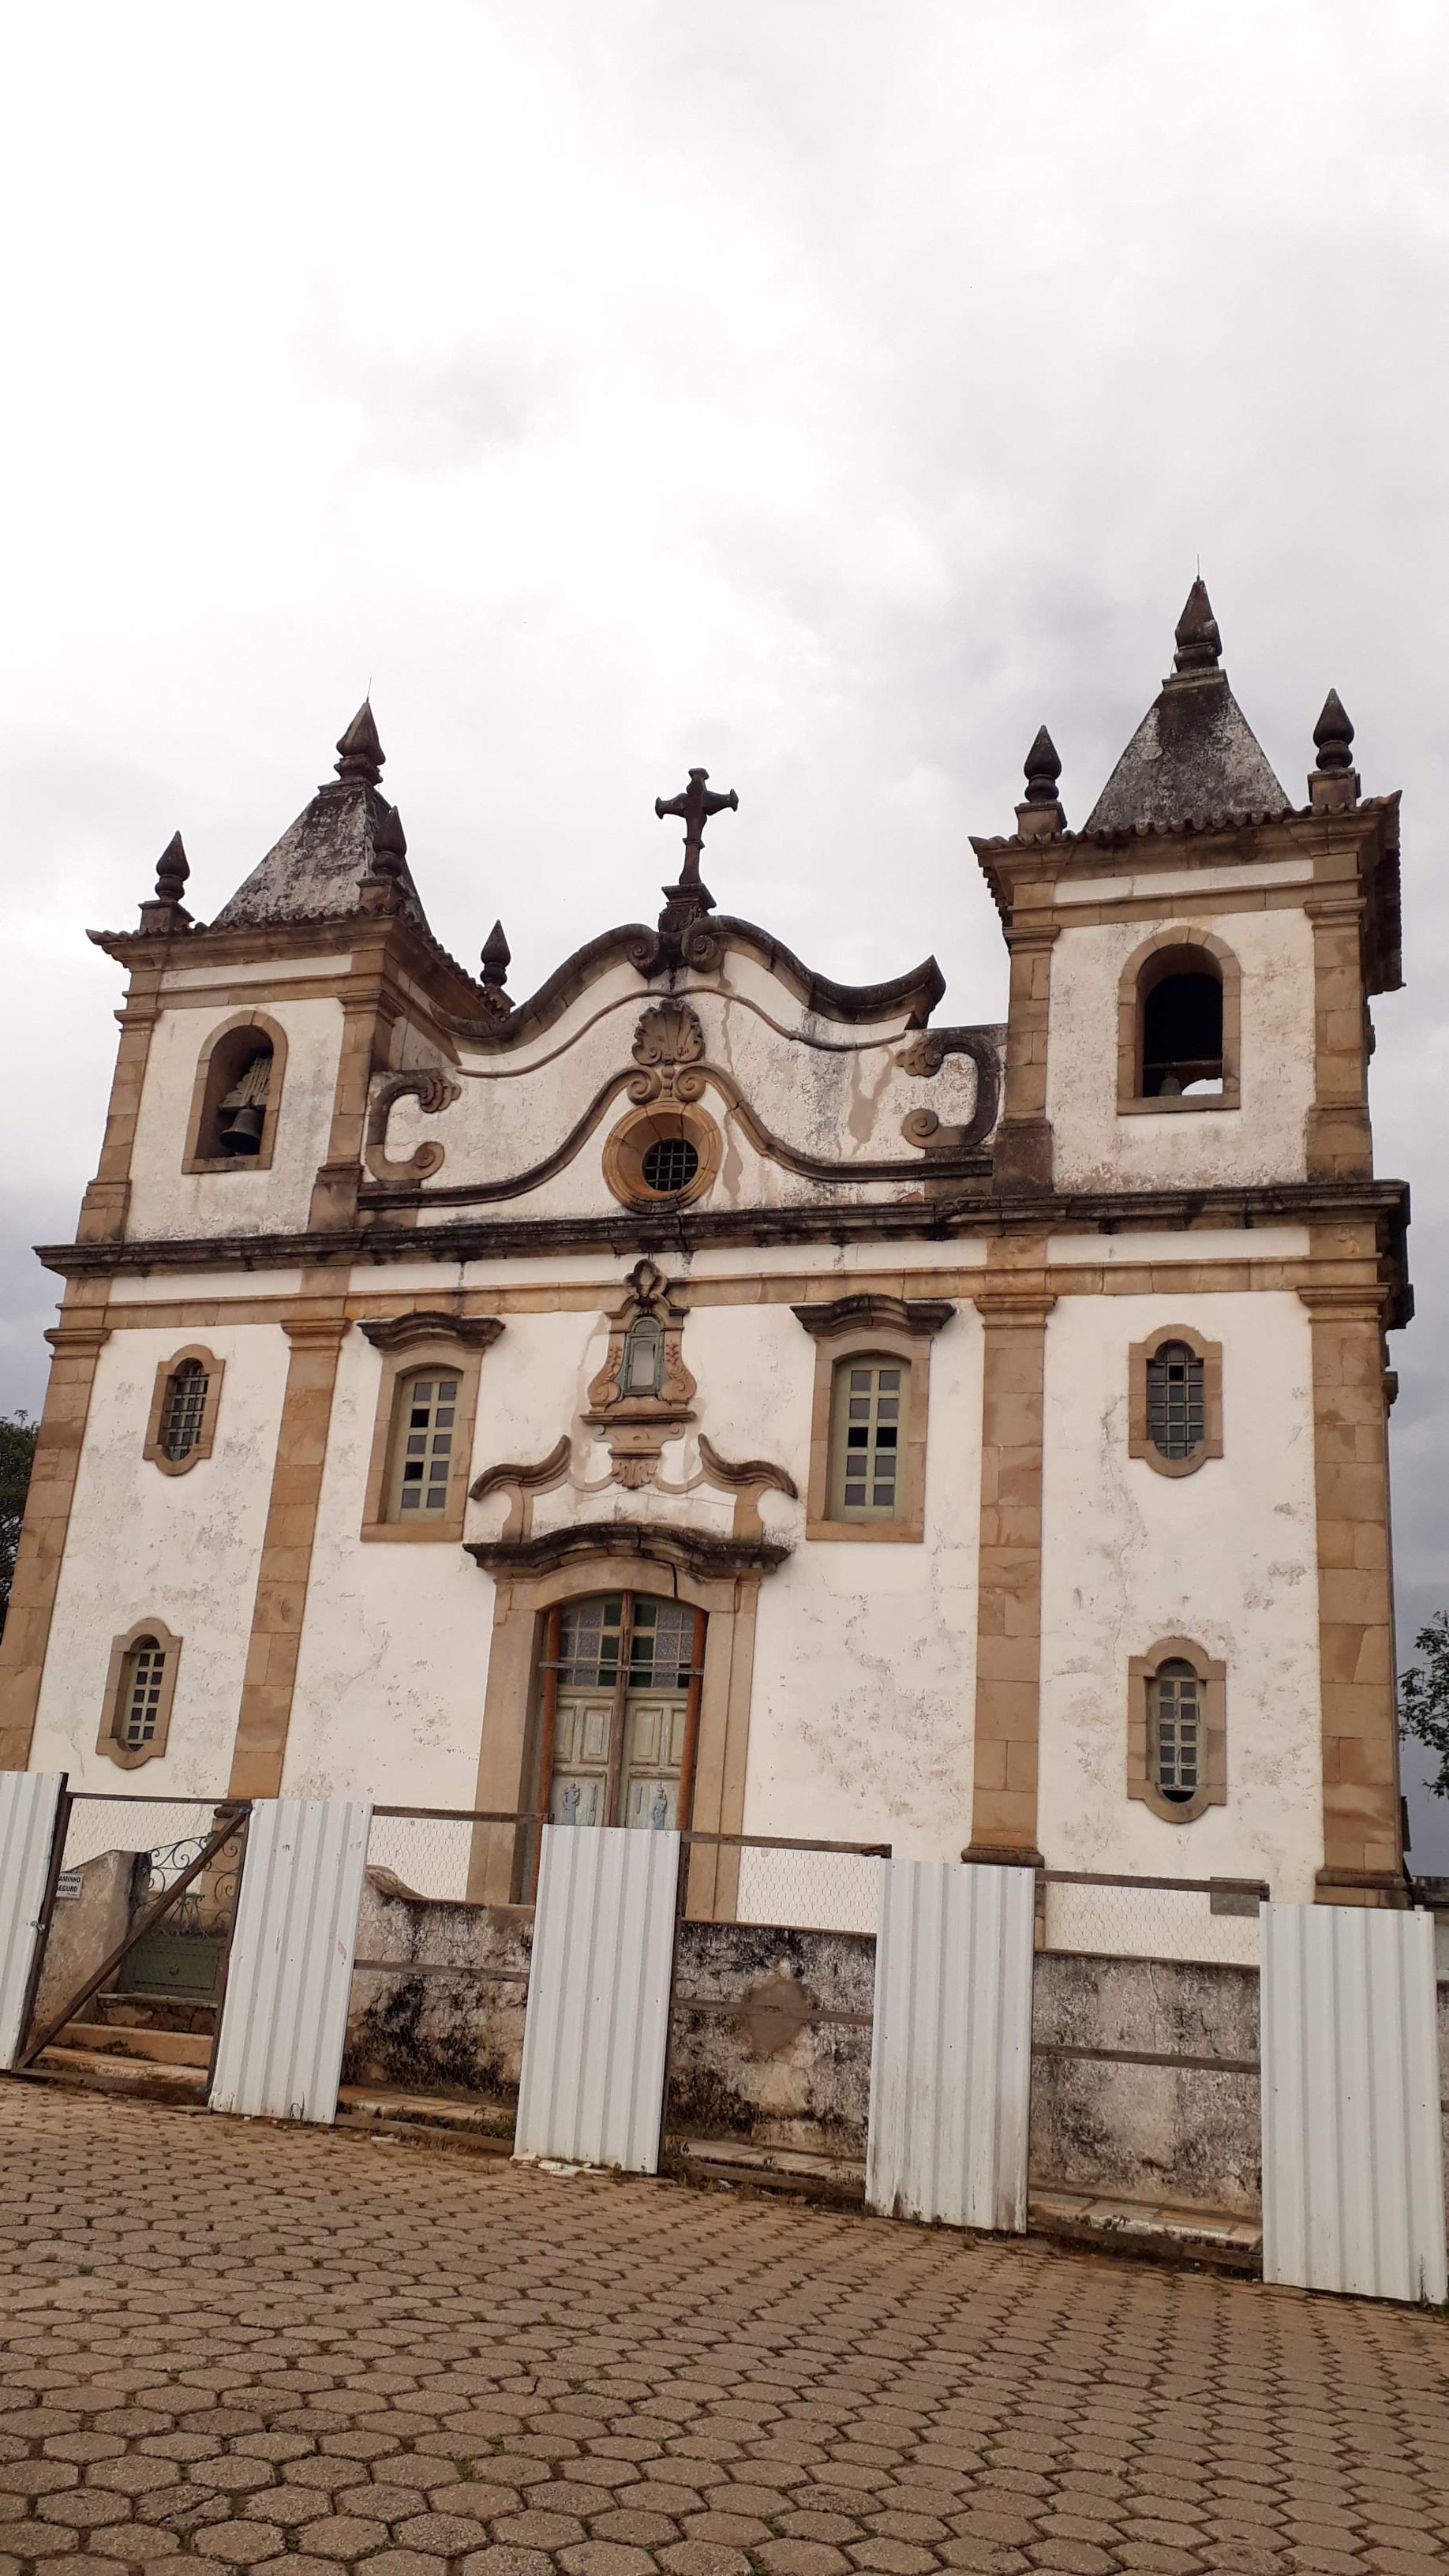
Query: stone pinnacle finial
point(362, 753)
point(389, 845)
point(1199, 645)
point(172, 871)
point(1333, 735)
point(1043, 769)
point(496, 956)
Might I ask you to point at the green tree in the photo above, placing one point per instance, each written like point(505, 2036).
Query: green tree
point(17, 1457)
point(1424, 1698)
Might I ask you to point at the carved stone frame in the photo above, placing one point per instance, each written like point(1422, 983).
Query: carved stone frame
point(730, 1603)
point(1148, 966)
point(408, 1343)
point(206, 1433)
point(193, 1160)
point(629, 1142)
point(1139, 1445)
point(637, 1426)
point(1141, 1671)
point(866, 1327)
point(108, 1741)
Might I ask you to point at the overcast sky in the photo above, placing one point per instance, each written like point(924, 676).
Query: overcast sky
point(828, 391)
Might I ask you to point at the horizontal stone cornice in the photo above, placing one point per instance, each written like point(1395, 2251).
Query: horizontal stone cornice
point(696, 1552)
point(986, 1214)
point(919, 1316)
point(405, 1332)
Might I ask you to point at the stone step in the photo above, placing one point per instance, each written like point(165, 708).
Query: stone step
point(122, 2011)
point(141, 2079)
point(158, 2047)
point(1164, 2231)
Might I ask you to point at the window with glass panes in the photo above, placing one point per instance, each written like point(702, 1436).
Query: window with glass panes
point(423, 1456)
point(867, 1412)
point(141, 1680)
point(1175, 1404)
point(1177, 1731)
point(183, 1410)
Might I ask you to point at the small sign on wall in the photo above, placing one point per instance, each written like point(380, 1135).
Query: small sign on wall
point(69, 1886)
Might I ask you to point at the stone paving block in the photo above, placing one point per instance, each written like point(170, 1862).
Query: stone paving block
point(704, 2387)
point(240, 2544)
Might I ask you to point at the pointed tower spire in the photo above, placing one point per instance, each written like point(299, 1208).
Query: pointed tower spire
point(1333, 734)
point(1194, 758)
point(496, 958)
point(173, 869)
point(362, 754)
point(1199, 645)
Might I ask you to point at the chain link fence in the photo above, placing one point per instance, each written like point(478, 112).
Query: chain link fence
point(1097, 1912)
point(452, 1855)
point(765, 1879)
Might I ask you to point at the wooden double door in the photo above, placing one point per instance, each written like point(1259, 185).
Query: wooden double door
point(619, 1692)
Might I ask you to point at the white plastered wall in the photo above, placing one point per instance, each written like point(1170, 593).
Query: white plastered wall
point(1096, 1148)
point(864, 1664)
point(1226, 1557)
point(167, 1201)
point(182, 1549)
point(865, 1653)
point(393, 1662)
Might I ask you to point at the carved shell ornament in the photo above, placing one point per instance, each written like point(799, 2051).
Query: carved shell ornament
point(667, 1043)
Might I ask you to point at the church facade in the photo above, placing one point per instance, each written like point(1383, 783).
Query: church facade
point(706, 1392)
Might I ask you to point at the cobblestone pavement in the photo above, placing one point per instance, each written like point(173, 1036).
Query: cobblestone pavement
point(252, 2345)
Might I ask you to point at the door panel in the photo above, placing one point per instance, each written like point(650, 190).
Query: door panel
point(653, 1746)
point(581, 1758)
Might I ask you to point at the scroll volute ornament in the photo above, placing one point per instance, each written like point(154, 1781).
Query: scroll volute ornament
point(669, 1044)
point(635, 1421)
point(433, 1091)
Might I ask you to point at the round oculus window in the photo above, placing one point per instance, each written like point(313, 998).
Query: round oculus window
point(669, 1166)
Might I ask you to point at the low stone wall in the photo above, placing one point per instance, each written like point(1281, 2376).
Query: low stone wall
point(84, 1929)
point(446, 2015)
point(771, 2037)
point(1146, 2132)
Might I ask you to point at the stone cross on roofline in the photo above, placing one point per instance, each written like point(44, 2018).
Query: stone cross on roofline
point(694, 805)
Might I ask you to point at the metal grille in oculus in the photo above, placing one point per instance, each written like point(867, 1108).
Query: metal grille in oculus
point(670, 1165)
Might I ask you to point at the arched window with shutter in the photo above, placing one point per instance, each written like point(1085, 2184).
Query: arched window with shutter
point(1177, 1761)
point(140, 1690)
point(184, 1402)
point(1175, 1400)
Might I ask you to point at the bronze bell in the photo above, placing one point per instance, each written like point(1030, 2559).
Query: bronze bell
point(244, 1135)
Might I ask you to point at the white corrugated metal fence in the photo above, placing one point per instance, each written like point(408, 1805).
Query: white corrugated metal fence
point(28, 1805)
point(284, 2016)
point(595, 2036)
point(950, 2072)
point(1353, 2178)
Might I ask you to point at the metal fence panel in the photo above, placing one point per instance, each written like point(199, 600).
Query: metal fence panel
point(28, 1802)
point(950, 2090)
point(591, 2089)
point(284, 2019)
point(1353, 2185)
